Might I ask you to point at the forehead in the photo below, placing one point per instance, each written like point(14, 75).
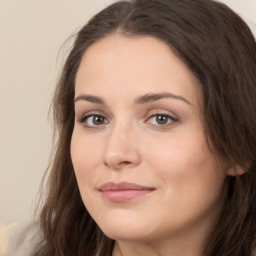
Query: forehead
point(138, 64)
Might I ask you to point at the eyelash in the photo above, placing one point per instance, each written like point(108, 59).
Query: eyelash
point(170, 119)
point(84, 120)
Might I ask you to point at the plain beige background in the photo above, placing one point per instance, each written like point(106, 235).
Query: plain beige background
point(31, 35)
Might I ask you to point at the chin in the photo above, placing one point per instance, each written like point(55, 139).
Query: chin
point(125, 229)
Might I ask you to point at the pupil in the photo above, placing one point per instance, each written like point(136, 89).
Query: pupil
point(98, 120)
point(161, 119)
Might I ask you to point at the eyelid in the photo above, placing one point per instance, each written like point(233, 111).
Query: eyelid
point(80, 114)
point(169, 115)
point(161, 111)
point(82, 118)
point(153, 113)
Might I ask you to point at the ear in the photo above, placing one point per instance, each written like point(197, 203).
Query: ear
point(236, 170)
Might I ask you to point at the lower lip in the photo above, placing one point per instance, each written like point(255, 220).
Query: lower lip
point(122, 196)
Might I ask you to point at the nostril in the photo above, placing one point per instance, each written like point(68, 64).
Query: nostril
point(118, 165)
point(124, 163)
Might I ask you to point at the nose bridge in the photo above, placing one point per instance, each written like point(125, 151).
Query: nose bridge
point(121, 149)
point(120, 131)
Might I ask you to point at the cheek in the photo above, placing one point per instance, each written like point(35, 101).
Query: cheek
point(85, 157)
point(188, 170)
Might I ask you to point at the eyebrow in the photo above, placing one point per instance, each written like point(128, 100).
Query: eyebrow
point(90, 98)
point(157, 96)
point(147, 98)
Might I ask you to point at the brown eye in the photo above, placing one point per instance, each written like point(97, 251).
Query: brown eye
point(93, 120)
point(98, 120)
point(161, 120)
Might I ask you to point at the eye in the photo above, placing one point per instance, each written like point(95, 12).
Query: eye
point(161, 119)
point(93, 120)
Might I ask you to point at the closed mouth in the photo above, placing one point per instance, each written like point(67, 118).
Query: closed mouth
point(123, 191)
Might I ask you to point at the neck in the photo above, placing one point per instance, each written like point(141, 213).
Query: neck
point(158, 249)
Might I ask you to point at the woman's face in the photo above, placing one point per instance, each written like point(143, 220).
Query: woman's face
point(140, 155)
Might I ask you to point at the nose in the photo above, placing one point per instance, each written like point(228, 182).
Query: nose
point(121, 149)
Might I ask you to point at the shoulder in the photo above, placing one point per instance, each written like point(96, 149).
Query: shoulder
point(23, 239)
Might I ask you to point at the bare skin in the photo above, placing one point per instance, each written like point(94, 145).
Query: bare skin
point(138, 120)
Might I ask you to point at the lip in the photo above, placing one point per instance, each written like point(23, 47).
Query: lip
point(123, 191)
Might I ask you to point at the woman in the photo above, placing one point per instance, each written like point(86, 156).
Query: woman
point(155, 115)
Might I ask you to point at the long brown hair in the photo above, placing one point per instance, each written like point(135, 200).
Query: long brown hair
point(220, 50)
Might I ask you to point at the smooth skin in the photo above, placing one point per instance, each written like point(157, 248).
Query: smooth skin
point(138, 119)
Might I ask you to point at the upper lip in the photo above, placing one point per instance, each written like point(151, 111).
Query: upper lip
point(112, 186)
